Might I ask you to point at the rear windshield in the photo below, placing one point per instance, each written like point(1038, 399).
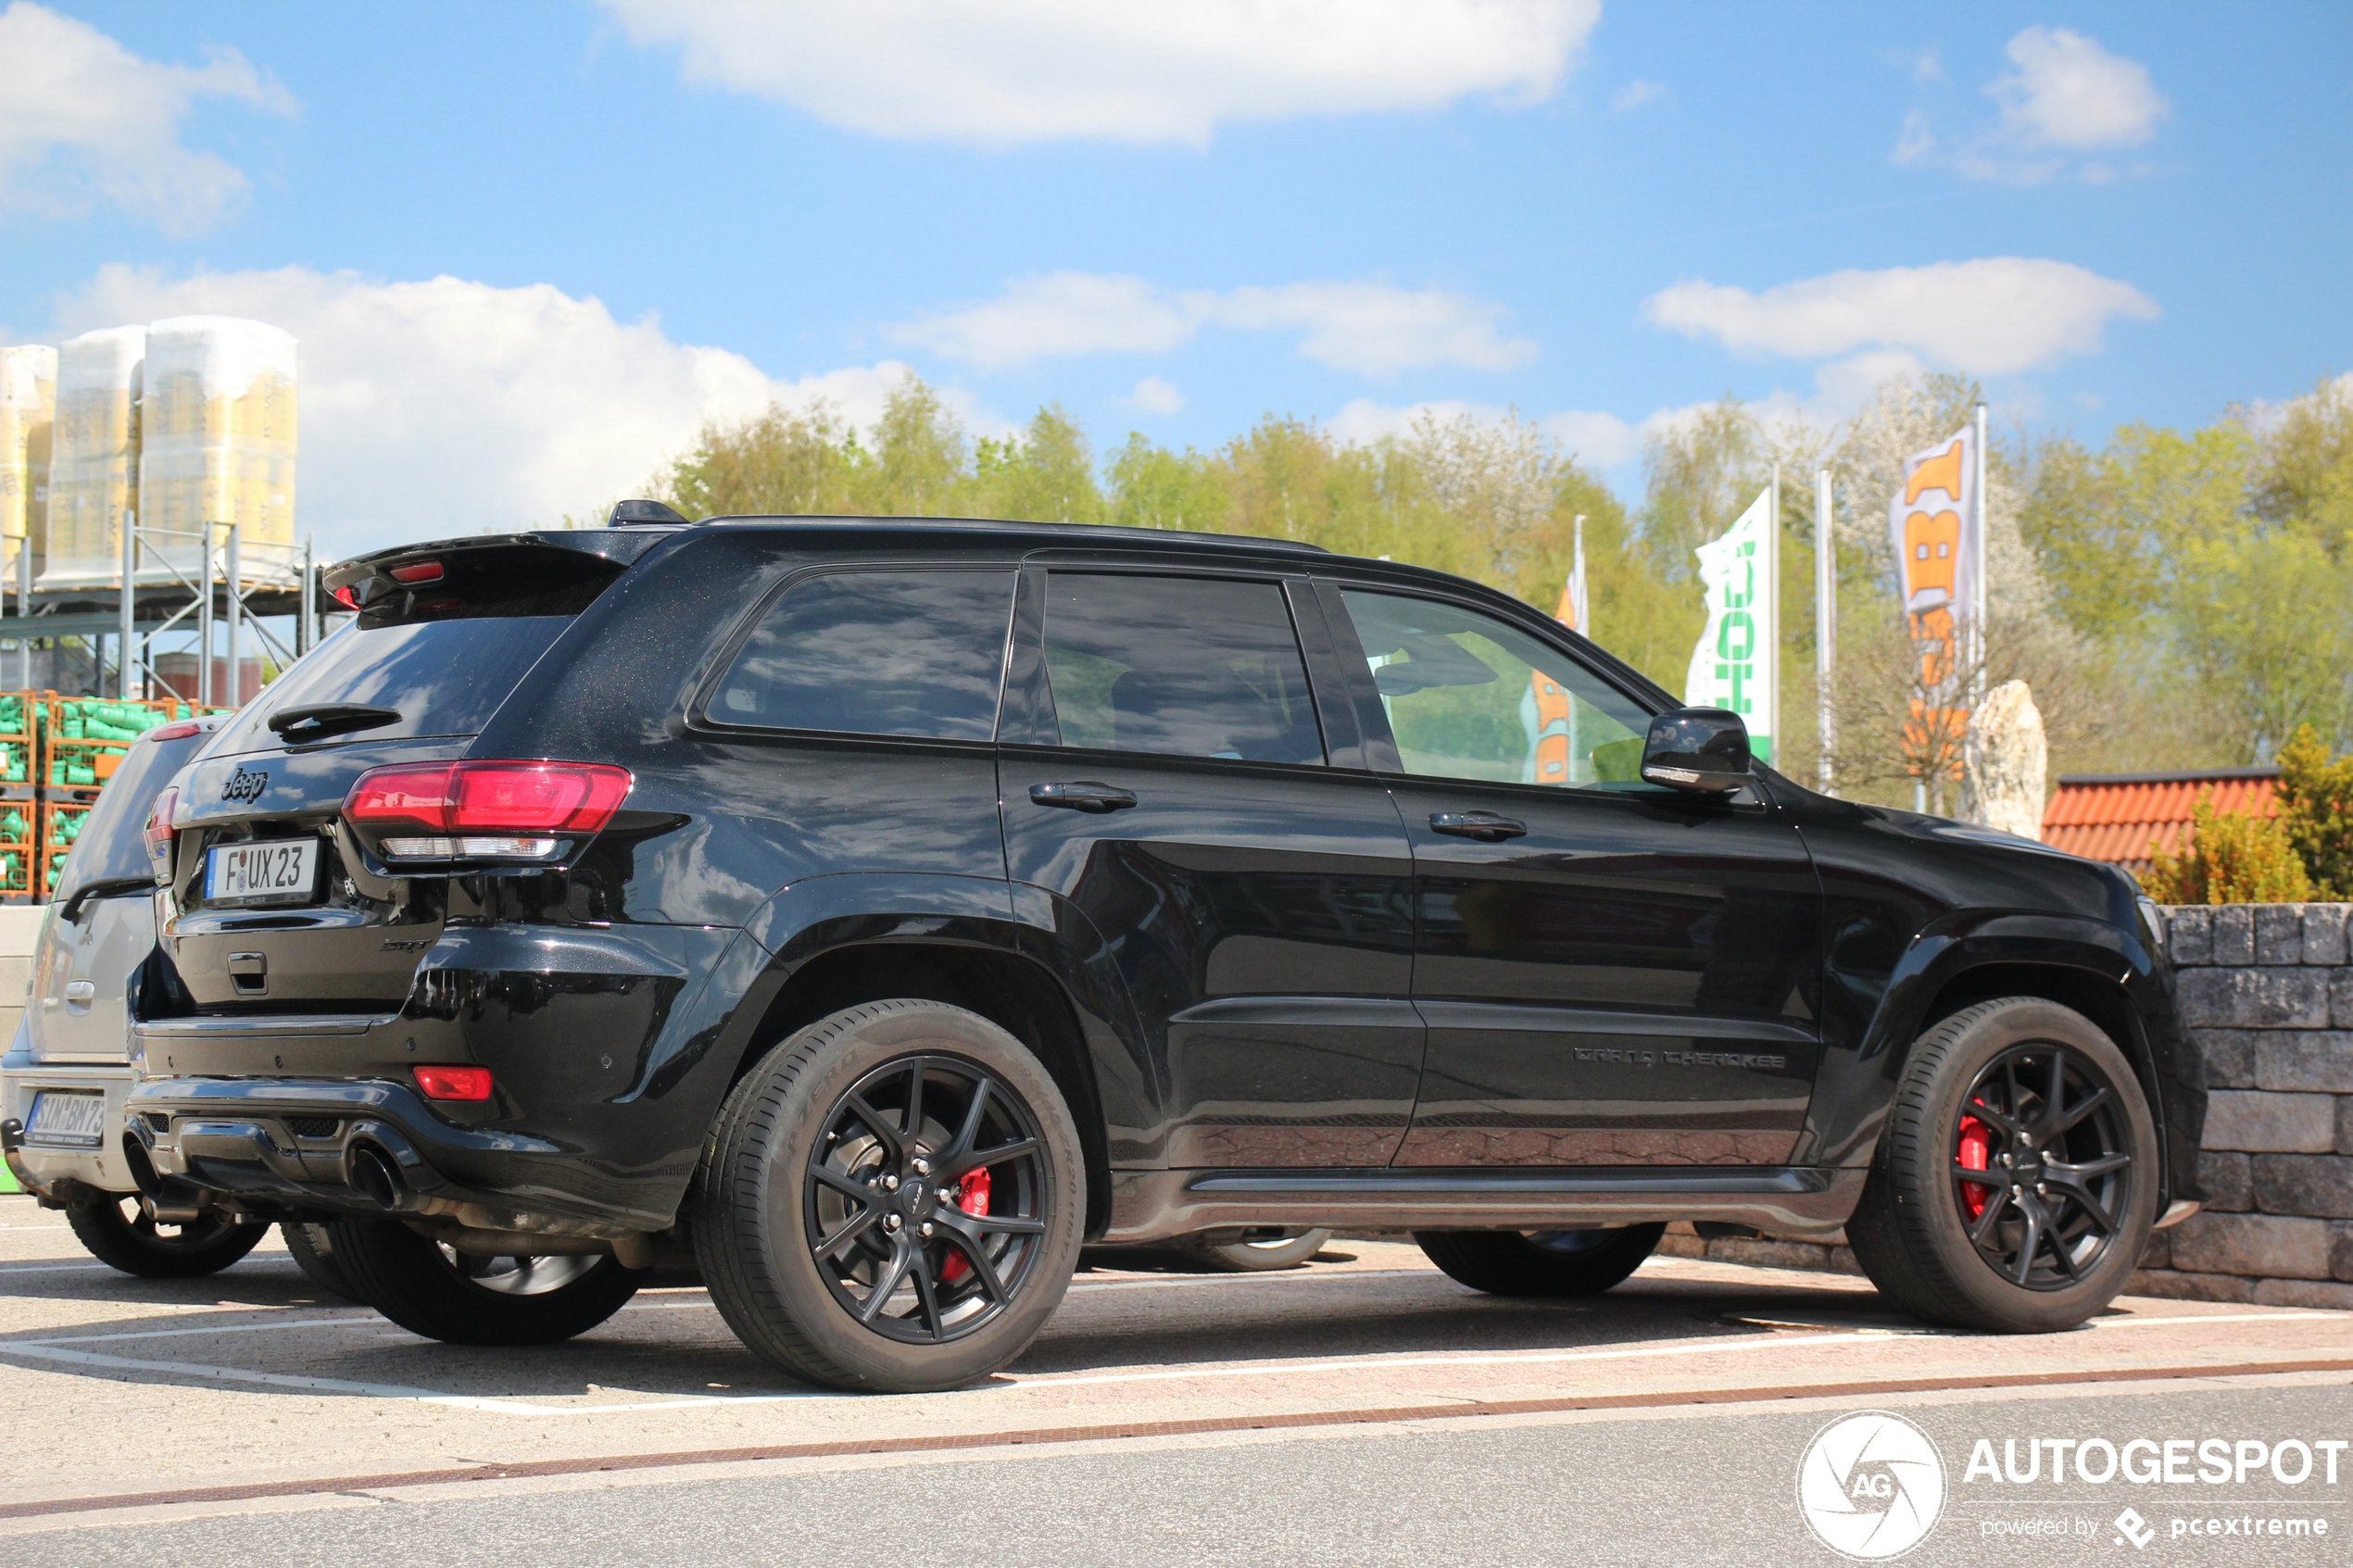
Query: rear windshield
point(110, 847)
point(444, 677)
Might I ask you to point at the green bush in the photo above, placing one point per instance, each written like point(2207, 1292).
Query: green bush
point(2230, 859)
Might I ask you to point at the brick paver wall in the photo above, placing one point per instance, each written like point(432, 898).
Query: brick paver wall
point(2266, 991)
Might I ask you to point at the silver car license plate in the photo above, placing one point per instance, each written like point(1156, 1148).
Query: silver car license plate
point(284, 870)
point(70, 1117)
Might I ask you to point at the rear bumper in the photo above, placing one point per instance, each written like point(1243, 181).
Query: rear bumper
point(286, 1148)
point(44, 1164)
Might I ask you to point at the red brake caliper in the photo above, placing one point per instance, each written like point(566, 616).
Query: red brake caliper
point(1976, 1140)
point(972, 1197)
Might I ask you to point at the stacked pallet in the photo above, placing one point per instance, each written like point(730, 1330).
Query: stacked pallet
point(56, 754)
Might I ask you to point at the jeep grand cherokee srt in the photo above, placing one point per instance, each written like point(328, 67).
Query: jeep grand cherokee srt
point(879, 909)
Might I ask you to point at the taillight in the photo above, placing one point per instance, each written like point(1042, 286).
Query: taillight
point(453, 1083)
point(482, 810)
point(416, 572)
point(158, 832)
point(179, 731)
point(348, 596)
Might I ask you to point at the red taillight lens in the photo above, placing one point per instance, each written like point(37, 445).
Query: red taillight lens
point(179, 731)
point(158, 831)
point(416, 572)
point(495, 810)
point(454, 1083)
point(402, 797)
point(348, 596)
point(535, 796)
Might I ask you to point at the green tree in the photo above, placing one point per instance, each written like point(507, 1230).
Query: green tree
point(2303, 467)
point(1153, 487)
point(1046, 474)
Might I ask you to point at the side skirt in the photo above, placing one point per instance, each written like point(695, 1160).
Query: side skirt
point(1793, 1200)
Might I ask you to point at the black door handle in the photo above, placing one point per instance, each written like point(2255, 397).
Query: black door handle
point(1083, 795)
point(1486, 826)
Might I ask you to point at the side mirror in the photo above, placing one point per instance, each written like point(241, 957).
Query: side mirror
point(1700, 749)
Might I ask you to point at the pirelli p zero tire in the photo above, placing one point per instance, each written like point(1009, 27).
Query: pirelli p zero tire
point(2015, 1183)
point(313, 1250)
point(121, 1236)
point(463, 1300)
point(1541, 1262)
point(891, 1200)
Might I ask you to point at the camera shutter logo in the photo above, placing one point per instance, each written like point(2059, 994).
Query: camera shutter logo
point(1871, 1486)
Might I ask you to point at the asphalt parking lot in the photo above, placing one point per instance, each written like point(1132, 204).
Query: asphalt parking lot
point(1363, 1409)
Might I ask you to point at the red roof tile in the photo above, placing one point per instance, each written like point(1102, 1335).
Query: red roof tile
point(2118, 818)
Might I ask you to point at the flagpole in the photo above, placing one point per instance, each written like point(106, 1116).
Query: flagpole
point(1977, 587)
point(1825, 633)
point(1773, 612)
point(1584, 613)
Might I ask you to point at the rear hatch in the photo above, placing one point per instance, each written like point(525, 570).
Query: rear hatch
point(277, 906)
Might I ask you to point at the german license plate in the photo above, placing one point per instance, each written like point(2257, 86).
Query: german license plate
point(68, 1117)
point(281, 870)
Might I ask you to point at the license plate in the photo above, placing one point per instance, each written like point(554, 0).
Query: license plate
point(280, 872)
point(66, 1117)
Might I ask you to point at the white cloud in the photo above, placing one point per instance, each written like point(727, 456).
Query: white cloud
point(1055, 315)
point(1634, 95)
point(451, 406)
point(1007, 71)
point(2067, 92)
point(1989, 316)
point(1154, 396)
point(1373, 329)
point(82, 120)
point(2064, 97)
point(1597, 440)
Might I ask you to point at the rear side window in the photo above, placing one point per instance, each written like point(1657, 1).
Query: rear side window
point(443, 677)
point(1179, 666)
point(112, 847)
point(875, 653)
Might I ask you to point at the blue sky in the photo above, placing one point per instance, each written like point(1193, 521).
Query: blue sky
point(528, 248)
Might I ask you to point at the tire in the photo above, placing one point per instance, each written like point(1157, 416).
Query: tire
point(138, 1246)
point(829, 1275)
point(313, 1250)
point(1912, 1231)
point(1250, 1255)
point(463, 1300)
point(1541, 1263)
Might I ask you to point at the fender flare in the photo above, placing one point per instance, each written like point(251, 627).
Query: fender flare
point(1854, 1086)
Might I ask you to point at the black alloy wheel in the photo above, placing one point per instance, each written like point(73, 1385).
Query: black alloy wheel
point(119, 1233)
point(2042, 1165)
point(926, 1198)
point(891, 1199)
point(2016, 1178)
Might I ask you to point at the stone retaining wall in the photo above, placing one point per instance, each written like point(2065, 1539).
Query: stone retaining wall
point(2266, 991)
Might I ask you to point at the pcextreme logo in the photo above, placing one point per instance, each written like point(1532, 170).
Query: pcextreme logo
point(1871, 1486)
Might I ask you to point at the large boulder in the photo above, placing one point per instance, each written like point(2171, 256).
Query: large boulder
point(2007, 761)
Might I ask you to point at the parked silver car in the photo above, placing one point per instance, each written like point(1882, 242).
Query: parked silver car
point(64, 1075)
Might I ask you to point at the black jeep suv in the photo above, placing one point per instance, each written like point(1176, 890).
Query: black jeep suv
point(879, 909)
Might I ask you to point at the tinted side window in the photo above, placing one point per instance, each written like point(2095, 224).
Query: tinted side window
point(1182, 666)
point(1471, 697)
point(876, 653)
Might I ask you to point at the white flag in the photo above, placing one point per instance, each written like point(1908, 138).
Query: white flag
point(1736, 664)
point(1932, 522)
